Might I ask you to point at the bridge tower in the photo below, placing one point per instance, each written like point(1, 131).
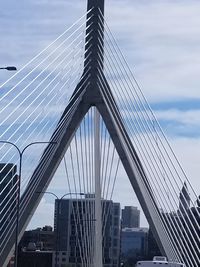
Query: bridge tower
point(93, 90)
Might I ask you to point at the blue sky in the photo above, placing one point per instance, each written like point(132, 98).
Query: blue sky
point(160, 40)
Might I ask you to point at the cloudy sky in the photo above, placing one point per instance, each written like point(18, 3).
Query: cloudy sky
point(161, 42)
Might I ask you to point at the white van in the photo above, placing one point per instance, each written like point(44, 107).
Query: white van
point(159, 261)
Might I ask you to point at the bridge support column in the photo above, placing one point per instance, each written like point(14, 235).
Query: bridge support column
point(98, 210)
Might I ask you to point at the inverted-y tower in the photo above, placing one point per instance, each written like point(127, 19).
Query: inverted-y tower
point(97, 94)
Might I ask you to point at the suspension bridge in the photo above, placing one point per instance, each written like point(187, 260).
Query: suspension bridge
point(78, 101)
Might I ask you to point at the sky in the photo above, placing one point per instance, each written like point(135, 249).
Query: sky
point(160, 40)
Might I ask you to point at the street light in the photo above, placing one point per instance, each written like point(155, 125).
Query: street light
point(21, 152)
point(59, 201)
point(9, 68)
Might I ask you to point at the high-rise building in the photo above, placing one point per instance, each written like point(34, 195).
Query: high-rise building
point(193, 221)
point(75, 241)
point(130, 217)
point(184, 200)
point(8, 195)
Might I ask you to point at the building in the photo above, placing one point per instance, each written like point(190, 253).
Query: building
point(138, 244)
point(184, 200)
point(74, 224)
point(134, 244)
point(130, 217)
point(36, 248)
point(192, 220)
point(35, 259)
point(8, 195)
point(41, 239)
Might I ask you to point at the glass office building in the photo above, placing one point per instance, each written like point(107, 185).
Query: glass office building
point(74, 226)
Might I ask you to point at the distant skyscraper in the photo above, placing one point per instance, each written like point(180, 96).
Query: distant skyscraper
point(184, 200)
point(130, 217)
point(8, 187)
point(75, 241)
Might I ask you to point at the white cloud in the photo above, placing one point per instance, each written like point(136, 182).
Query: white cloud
point(45, 213)
point(188, 117)
point(188, 153)
point(160, 40)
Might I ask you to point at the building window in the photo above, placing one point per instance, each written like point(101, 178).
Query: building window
point(116, 211)
point(116, 221)
point(115, 253)
point(115, 232)
point(115, 242)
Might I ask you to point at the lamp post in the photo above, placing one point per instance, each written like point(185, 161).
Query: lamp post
point(9, 68)
point(59, 201)
point(21, 152)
